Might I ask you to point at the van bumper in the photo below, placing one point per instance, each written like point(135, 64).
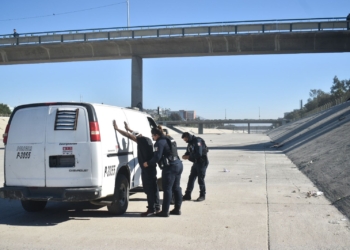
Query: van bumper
point(51, 194)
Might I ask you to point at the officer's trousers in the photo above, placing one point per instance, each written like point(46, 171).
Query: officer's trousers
point(150, 186)
point(171, 176)
point(197, 170)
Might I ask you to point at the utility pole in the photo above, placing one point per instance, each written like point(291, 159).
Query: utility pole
point(128, 10)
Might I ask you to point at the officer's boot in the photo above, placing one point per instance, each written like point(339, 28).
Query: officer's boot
point(176, 211)
point(201, 197)
point(186, 197)
point(162, 214)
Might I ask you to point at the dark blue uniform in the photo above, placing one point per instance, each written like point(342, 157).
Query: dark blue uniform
point(149, 174)
point(171, 174)
point(195, 151)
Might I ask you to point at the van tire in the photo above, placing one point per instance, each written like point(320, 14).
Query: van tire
point(33, 206)
point(121, 196)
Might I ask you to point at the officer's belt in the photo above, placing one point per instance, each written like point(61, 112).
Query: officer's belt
point(173, 158)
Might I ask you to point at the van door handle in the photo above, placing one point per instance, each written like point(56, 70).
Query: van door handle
point(120, 154)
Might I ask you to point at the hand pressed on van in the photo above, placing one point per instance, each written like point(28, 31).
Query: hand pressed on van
point(127, 127)
point(124, 133)
point(115, 125)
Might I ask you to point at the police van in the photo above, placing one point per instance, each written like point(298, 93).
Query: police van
point(71, 152)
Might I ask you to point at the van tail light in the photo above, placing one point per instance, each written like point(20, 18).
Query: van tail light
point(5, 135)
point(94, 132)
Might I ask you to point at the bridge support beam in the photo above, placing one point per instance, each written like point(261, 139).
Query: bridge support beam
point(136, 82)
point(248, 128)
point(200, 128)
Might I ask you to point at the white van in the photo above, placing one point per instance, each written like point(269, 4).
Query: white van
point(71, 152)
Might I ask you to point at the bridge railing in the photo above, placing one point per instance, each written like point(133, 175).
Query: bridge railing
point(178, 30)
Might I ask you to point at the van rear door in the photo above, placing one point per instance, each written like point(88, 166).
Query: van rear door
point(24, 154)
point(68, 152)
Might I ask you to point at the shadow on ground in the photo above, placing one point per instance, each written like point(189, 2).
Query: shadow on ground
point(12, 213)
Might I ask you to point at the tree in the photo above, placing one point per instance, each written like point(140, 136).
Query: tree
point(317, 99)
point(4, 109)
point(339, 87)
point(347, 84)
point(175, 117)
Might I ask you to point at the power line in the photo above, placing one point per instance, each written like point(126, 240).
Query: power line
point(62, 13)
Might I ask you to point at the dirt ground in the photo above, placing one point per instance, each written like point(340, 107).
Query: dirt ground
point(320, 146)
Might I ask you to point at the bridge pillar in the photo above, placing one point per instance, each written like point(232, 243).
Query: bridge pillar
point(136, 82)
point(200, 128)
point(248, 128)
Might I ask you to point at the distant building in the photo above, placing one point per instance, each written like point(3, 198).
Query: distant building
point(190, 115)
point(186, 115)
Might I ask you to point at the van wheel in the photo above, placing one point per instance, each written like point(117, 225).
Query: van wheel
point(33, 206)
point(121, 196)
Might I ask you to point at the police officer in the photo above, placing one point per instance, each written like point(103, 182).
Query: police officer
point(197, 153)
point(165, 152)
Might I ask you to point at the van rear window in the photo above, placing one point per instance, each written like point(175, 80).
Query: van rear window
point(66, 119)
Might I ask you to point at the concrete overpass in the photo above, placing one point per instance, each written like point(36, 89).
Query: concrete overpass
point(227, 121)
point(322, 35)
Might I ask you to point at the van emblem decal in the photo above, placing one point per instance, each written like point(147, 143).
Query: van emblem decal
point(67, 150)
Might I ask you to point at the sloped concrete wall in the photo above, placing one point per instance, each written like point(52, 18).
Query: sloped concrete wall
point(320, 146)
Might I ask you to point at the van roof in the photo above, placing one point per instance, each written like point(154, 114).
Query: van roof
point(89, 107)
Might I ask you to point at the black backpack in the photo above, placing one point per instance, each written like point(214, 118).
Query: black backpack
point(164, 161)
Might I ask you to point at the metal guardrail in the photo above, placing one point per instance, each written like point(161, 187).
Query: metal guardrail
point(328, 105)
point(178, 30)
point(227, 121)
point(324, 107)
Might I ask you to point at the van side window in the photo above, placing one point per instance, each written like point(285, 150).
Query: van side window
point(66, 119)
point(151, 122)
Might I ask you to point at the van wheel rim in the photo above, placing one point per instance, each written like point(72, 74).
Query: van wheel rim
point(122, 195)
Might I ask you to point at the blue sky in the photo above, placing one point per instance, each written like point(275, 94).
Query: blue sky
point(241, 85)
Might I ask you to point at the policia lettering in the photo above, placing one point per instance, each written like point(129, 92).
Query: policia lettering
point(23, 152)
point(109, 171)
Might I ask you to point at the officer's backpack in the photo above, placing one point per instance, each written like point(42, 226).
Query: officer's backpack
point(164, 161)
